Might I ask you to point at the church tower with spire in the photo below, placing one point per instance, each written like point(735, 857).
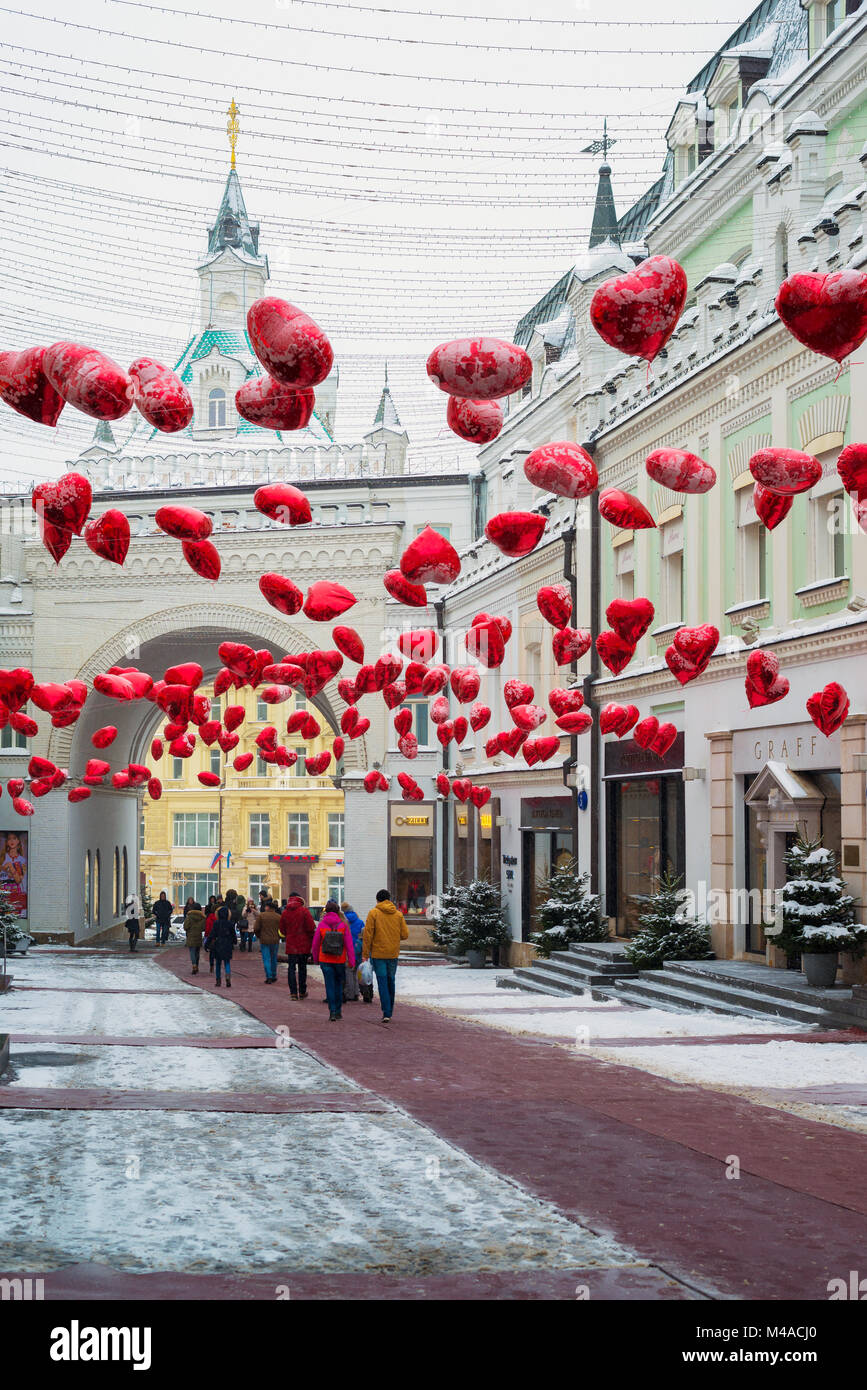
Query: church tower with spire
point(387, 432)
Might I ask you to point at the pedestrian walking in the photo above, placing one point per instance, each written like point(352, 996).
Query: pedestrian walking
point(267, 929)
point(384, 930)
point(297, 927)
point(223, 943)
point(194, 928)
point(210, 923)
point(132, 914)
point(191, 902)
point(356, 926)
point(248, 922)
point(163, 910)
point(332, 951)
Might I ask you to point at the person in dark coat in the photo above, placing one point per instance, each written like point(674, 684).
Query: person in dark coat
point(163, 910)
point(132, 915)
point(222, 943)
point(191, 902)
point(351, 985)
point(194, 926)
point(297, 928)
point(267, 929)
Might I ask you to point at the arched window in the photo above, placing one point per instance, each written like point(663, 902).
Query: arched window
point(125, 876)
point(96, 890)
point(117, 902)
point(88, 891)
point(216, 408)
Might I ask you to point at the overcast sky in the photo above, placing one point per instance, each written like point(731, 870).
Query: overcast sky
point(418, 174)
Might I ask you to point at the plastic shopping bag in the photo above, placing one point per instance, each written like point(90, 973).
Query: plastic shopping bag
point(365, 974)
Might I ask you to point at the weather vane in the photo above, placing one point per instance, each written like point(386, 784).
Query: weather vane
point(601, 146)
point(233, 128)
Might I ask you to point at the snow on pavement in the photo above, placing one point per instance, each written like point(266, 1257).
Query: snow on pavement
point(91, 972)
point(134, 1016)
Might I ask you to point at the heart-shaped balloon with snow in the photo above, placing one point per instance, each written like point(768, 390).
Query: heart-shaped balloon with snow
point(21, 807)
point(88, 380)
point(476, 421)
point(419, 644)
point(528, 717)
point(614, 651)
point(554, 602)
point(542, 749)
point(697, 644)
point(394, 694)
point(771, 507)
point(680, 471)
point(516, 533)
point(203, 558)
point(240, 659)
point(565, 701)
point(372, 783)
point(578, 722)
point(284, 503)
point(517, 692)
point(443, 784)
point(828, 707)
point(484, 641)
point(638, 312)
point(852, 468)
point(630, 618)
point(785, 471)
point(465, 683)
point(281, 593)
point(326, 600)
point(563, 468)
point(16, 687)
point(624, 510)
point(290, 346)
point(430, 559)
point(63, 504)
point(403, 721)
point(25, 387)
point(108, 536)
point(764, 684)
point(570, 644)
point(439, 710)
point(184, 523)
point(411, 595)
point(827, 313)
point(160, 396)
point(434, 680)
point(480, 715)
point(480, 369)
point(273, 405)
point(318, 763)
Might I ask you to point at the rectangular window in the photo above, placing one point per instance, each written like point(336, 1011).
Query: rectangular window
point(335, 889)
point(300, 768)
point(199, 887)
point(420, 721)
point(441, 529)
point(671, 571)
point(299, 830)
point(177, 769)
point(260, 830)
point(262, 712)
point(196, 828)
point(261, 766)
point(828, 525)
point(335, 830)
point(216, 764)
point(216, 707)
point(10, 741)
point(752, 578)
point(257, 882)
point(301, 703)
point(624, 567)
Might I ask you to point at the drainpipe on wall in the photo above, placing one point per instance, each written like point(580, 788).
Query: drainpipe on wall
point(571, 577)
point(593, 675)
point(439, 608)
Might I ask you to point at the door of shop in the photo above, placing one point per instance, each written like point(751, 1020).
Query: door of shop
point(645, 838)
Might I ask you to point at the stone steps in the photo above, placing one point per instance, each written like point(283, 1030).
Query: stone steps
point(582, 967)
point(682, 988)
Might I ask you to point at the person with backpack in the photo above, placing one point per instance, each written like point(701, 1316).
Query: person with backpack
point(267, 929)
point(163, 910)
point(132, 914)
point(356, 926)
point(384, 930)
point(332, 951)
point(222, 943)
point(210, 922)
point(194, 927)
point(297, 927)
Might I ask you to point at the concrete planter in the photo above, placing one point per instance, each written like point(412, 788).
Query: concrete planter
point(820, 968)
point(476, 959)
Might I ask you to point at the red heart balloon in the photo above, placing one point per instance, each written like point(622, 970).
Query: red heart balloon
point(337, 748)
point(565, 701)
point(638, 312)
point(414, 677)
point(852, 467)
point(22, 807)
point(461, 787)
point(430, 559)
point(411, 595)
point(326, 600)
point(21, 723)
point(56, 541)
point(419, 645)
point(228, 741)
point(646, 730)
point(108, 536)
point(318, 763)
point(764, 685)
point(360, 728)
point(554, 602)
point(224, 680)
point(403, 721)
point(827, 313)
point(517, 692)
point(115, 687)
point(321, 667)
point(16, 687)
point(394, 694)
point(444, 786)
point(476, 421)
point(484, 641)
point(184, 523)
point(445, 732)
point(387, 670)
point(612, 719)
point(563, 468)
point(663, 739)
point(786, 471)
point(528, 717)
point(480, 796)
point(697, 644)
point(570, 644)
point(142, 684)
point(242, 762)
point(185, 673)
point(155, 786)
point(25, 387)
point(439, 710)
point(296, 721)
point(624, 510)
point(480, 715)
point(465, 683)
point(516, 533)
point(681, 667)
point(493, 746)
point(284, 503)
point(547, 748)
point(160, 396)
point(575, 723)
point(434, 680)
point(632, 717)
point(461, 728)
point(828, 707)
point(771, 507)
point(630, 618)
point(281, 593)
point(371, 781)
point(209, 732)
point(614, 652)
point(480, 369)
point(96, 767)
point(238, 658)
point(273, 405)
point(209, 779)
point(81, 794)
point(88, 380)
point(529, 752)
point(101, 738)
point(347, 692)
point(680, 471)
point(64, 504)
point(290, 346)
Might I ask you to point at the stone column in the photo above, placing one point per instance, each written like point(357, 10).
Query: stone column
point(853, 832)
point(721, 868)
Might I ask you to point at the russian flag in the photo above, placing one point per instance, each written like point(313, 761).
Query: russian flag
point(216, 859)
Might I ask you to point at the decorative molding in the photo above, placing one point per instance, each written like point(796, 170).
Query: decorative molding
point(746, 417)
point(828, 416)
point(742, 452)
point(827, 591)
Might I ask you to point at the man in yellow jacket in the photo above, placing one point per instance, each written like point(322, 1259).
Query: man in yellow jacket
point(384, 930)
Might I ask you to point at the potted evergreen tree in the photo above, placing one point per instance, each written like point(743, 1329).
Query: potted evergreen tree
point(570, 912)
point(818, 913)
point(479, 922)
point(447, 918)
point(668, 931)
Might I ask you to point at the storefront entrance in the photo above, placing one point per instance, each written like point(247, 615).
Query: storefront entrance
point(645, 832)
point(411, 856)
point(546, 834)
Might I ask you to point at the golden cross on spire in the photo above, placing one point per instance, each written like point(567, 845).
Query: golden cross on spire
point(233, 128)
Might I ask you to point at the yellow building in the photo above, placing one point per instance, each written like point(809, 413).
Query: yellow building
point(267, 826)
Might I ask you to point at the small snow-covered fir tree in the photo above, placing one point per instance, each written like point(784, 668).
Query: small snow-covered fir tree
point(818, 913)
point(480, 922)
point(668, 931)
point(9, 926)
point(569, 913)
point(147, 907)
point(447, 917)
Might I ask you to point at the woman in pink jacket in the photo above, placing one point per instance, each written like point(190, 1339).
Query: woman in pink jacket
point(332, 950)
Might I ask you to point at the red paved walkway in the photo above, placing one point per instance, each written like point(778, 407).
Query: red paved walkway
point(624, 1152)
